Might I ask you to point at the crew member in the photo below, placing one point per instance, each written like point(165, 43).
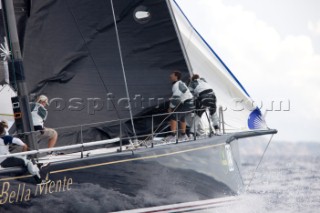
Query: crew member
point(181, 101)
point(204, 98)
point(5, 141)
point(5, 125)
point(39, 115)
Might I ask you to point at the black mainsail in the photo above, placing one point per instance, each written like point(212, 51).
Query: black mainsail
point(71, 54)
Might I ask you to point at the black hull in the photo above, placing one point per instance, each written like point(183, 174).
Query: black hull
point(162, 175)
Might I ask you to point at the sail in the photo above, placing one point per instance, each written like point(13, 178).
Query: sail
point(4, 77)
point(5, 91)
point(111, 60)
point(239, 111)
point(90, 66)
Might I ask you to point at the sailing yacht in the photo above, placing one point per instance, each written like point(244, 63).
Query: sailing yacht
point(105, 65)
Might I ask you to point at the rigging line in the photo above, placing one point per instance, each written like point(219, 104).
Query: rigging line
point(238, 168)
point(154, 132)
point(123, 70)
point(210, 127)
point(264, 152)
point(90, 55)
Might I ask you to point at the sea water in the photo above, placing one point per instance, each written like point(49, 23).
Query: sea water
point(287, 180)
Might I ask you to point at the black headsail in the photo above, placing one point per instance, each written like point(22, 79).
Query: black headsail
point(71, 54)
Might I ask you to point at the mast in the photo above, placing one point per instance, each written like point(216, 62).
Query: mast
point(20, 103)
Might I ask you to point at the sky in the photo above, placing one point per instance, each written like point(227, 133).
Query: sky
point(273, 48)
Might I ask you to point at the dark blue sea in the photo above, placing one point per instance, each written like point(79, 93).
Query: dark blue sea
point(287, 180)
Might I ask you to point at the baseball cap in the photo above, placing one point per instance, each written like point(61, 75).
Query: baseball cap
point(43, 98)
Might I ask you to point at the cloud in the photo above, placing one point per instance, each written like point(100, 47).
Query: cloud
point(314, 27)
point(271, 66)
